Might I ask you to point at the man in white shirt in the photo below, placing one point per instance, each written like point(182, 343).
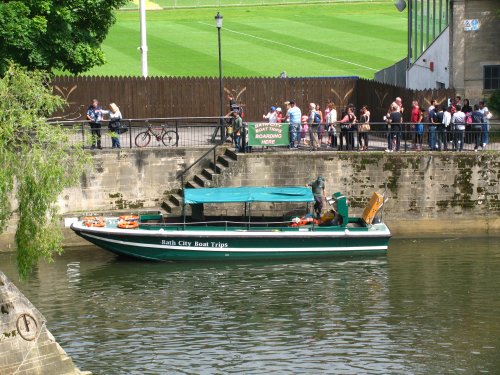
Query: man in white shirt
point(271, 115)
point(293, 116)
point(458, 121)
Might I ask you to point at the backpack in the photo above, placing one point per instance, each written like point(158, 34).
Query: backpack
point(317, 118)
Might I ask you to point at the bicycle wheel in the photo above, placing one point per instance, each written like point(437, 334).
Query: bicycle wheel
point(170, 138)
point(142, 139)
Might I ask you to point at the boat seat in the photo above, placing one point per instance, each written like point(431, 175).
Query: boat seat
point(372, 208)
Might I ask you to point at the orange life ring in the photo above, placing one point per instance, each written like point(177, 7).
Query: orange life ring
point(305, 221)
point(128, 224)
point(129, 218)
point(93, 221)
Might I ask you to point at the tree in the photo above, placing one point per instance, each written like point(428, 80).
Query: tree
point(493, 103)
point(55, 35)
point(38, 161)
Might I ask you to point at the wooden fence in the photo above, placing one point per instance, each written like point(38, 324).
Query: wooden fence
point(159, 97)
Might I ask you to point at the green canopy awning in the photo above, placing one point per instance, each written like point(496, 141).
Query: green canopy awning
point(248, 194)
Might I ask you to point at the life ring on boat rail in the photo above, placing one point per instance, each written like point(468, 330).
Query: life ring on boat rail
point(299, 222)
point(93, 221)
point(129, 218)
point(127, 224)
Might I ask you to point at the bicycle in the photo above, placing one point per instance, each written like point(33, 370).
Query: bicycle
point(168, 137)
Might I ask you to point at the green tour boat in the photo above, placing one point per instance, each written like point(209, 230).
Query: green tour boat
point(198, 237)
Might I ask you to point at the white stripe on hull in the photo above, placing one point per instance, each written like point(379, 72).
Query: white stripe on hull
point(236, 250)
point(236, 234)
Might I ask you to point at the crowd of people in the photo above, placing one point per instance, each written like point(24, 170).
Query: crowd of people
point(317, 127)
point(451, 125)
point(447, 126)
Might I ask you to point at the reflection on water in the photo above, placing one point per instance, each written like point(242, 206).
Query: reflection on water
point(430, 306)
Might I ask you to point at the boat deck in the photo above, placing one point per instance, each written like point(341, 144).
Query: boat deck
point(355, 224)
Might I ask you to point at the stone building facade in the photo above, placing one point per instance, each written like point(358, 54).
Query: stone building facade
point(474, 50)
point(453, 44)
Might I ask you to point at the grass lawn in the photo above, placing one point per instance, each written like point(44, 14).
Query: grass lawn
point(339, 39)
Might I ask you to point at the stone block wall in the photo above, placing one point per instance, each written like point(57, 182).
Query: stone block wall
point(130, 179)
point(26, 345)
point(428, 192)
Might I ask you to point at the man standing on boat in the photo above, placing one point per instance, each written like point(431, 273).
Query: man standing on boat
point(318, 190)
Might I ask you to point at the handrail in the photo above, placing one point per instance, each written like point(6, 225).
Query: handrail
point(214, 148)
point(145, 119)
point(187, 169)
point(243, 223)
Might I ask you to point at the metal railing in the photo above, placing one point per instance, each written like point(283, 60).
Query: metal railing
point(151, 132)
point(383, 137)
point(206, 132)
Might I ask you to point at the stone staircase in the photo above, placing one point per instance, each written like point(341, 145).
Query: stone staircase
point(206, 178)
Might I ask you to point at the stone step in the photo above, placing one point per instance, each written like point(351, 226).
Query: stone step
point(225, 160)
point(170, 207)
point(231, 153)
point(218, 168)
point(176, 199)
point(202, 180)
point(193, 185)
point(208, 173)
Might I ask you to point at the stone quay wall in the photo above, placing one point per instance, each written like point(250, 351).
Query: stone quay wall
point(429, 193)
point(133, 179)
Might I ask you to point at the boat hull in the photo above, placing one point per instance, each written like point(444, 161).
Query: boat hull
point(209, 244)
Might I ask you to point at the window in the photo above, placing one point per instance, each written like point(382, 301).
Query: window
point(491, 77)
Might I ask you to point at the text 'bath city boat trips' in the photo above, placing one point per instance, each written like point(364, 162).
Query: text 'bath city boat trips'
point(247, 235)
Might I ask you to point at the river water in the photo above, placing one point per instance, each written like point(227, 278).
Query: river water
point(431, 306)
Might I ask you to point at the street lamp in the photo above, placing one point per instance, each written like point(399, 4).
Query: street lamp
point(218, 24)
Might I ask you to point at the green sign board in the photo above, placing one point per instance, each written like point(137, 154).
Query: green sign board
point(265, 134)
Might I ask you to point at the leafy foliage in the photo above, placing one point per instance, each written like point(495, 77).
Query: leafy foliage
point(38, 162)
point(494, 103)
point(51, 34)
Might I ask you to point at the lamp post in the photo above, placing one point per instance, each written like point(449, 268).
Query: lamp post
point(144, 47)
point(218, 24)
